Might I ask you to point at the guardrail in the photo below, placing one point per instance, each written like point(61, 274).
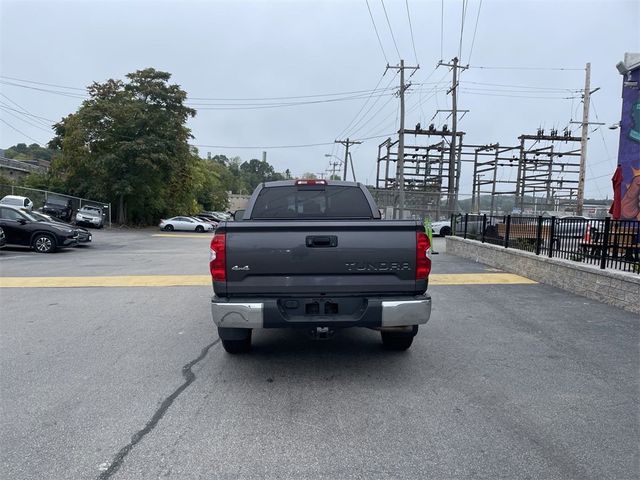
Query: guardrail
point(607, 243)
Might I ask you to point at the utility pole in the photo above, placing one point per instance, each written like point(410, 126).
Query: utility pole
point(346, 144)
point(451, 190)
point(586, 98)
point(353, 172)
point(583, 143)
point(334, 168)
point(400, 166)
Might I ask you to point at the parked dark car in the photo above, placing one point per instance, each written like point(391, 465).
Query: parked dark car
point(84, 235)
point(59, 208)
point(21, 228)
point(207, 219)
point(3, 239)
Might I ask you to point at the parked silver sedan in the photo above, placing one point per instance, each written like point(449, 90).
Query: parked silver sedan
point(189, 224)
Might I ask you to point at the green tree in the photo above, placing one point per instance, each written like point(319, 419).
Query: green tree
point(32, 152)
point(256, 171)
point(212, 193)
point(5, 179)
point(128, 144)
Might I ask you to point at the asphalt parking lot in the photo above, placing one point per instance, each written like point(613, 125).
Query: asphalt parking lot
point(510, 379)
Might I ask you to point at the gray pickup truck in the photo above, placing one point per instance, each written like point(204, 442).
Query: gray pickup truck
point(315, 255)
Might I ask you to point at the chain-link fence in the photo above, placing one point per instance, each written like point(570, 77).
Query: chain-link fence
point(40, 197)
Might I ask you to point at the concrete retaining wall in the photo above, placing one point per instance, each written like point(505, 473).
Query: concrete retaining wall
point(620, 289)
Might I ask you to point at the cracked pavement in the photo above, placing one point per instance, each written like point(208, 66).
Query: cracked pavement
point(505, 381)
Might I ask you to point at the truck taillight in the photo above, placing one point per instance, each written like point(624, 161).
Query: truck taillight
point(218, 257)
point(423, 262)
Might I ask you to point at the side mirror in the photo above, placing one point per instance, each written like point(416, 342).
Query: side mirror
point(238, 215)
point(22, 221)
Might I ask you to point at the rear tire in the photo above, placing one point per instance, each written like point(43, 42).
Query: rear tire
point(44, 243)
point(445, 231)
point(199, 229)
point(235, 340)
point(398, 341)
point(169, 228)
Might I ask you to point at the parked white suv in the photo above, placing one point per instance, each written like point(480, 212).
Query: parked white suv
point(91, 216)
point(17, 201)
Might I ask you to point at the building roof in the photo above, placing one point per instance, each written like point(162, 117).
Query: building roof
point(632, 61)
point(12, 164)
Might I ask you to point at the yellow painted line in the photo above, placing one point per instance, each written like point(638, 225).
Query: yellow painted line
point(182, 235)
point(107, 281)
point(478, 279)
point(205, 280)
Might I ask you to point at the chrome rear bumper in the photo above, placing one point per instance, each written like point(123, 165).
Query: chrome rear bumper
point(393, 312)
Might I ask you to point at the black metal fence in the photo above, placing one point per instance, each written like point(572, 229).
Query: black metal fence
point(604, 242)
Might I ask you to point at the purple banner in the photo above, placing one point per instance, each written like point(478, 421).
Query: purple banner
point(629, 150)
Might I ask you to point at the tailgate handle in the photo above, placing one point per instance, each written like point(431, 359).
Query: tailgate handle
point(322, 241)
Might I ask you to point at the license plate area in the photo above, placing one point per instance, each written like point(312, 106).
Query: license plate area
point(316, 308)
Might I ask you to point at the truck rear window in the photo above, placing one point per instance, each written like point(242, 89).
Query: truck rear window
point(321, 201)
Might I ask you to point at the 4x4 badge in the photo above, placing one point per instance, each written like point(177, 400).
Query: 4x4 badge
point(236, 268)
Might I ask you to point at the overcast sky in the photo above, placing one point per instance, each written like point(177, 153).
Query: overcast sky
point(264, 49)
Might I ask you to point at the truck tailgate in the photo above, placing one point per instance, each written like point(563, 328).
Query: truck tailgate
point(332, 257)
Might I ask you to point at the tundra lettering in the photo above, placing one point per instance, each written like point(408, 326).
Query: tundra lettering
point(378, 267)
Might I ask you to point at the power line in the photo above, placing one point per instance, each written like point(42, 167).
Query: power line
point(371, 118)
point(28, 114)
point(441, 29)
point(532, 87)
point(420, 102)
point(341, 134)
point(279, 146)
point(390, 29)
point(21, 132)
point(514, 96)
point(42, 83)
point(567, 94)
point(406, 2)
point(57, 92)
point(599, 128)
point(374, 129)
point(464, 14)
point(473, 41)
point(274, 105)
point(35, 125)
point(352, 132)
point(24, 111)
point(410, 110)
point(377, 34)
point(295, 97)
point(265, 147)
point(518, 90)
point(220, 99)
point(527, 68)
